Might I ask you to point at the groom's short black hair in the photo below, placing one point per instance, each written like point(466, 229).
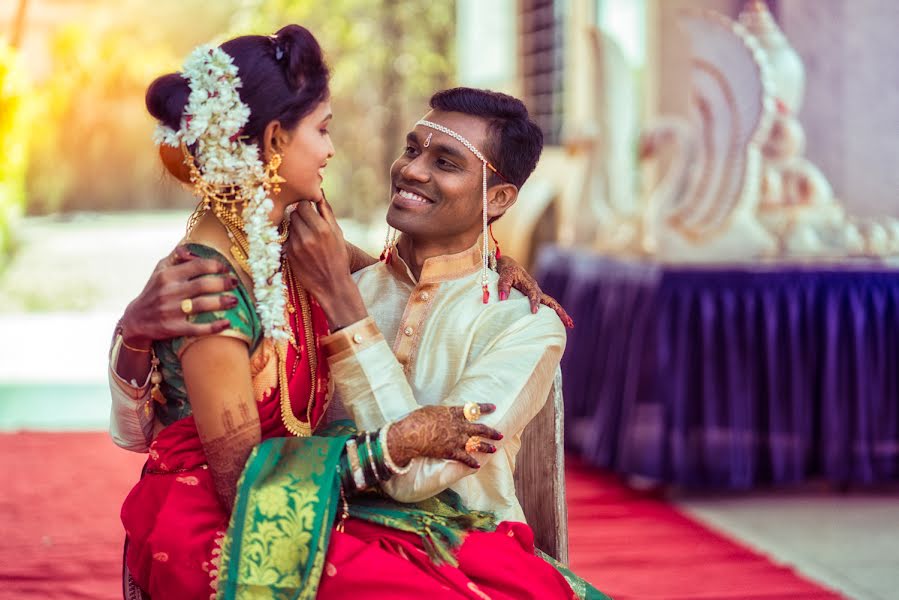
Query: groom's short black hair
point(515, 141)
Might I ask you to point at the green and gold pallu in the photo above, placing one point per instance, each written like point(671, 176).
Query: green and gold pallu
point(288, 499)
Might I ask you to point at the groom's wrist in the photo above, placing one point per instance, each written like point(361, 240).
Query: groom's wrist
point(343, 306)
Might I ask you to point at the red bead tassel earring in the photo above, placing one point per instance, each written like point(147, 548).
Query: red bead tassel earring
point(497, 253)
point(389, 245)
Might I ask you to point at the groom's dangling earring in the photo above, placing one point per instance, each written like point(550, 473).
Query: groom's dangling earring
point(497, 253)
point(389, 245)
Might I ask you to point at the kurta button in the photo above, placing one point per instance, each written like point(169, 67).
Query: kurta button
point(408, 331)
point(423, 296)
point(357, 338)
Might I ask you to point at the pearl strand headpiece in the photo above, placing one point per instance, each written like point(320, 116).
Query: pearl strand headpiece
point(485, 164)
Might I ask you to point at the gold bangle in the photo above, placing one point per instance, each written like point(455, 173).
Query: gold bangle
point(133, 349)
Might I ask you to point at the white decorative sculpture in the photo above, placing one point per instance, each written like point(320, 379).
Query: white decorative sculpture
point(746, 139)
point(733, 184)
point(797, 201)
point(799, 207)
point(705, 206)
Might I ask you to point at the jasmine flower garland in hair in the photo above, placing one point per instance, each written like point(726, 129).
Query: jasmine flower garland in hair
point(213, 121)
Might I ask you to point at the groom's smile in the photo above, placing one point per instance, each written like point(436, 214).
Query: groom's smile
point(409, 198)
point(436, 181)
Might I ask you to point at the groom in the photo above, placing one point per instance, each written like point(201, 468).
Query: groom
point(426, 326)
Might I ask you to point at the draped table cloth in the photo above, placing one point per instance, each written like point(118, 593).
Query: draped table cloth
point(730, 376)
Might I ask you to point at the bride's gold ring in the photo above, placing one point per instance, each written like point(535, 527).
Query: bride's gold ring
point(472, 411)
point(472, 444)
point(187, 306)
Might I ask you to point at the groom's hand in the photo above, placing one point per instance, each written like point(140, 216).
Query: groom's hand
point(440, 432)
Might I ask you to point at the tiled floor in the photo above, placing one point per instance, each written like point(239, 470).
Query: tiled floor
point(849, 542)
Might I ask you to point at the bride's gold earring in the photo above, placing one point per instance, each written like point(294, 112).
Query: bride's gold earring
point(272, 179)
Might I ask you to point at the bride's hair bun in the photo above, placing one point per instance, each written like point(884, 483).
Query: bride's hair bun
point(300, 56)
point(166, 99)
point(284, 77)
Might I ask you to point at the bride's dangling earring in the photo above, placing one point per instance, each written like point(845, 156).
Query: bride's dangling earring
point(273, 180)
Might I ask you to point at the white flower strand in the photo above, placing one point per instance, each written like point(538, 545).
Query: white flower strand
point(213, 120)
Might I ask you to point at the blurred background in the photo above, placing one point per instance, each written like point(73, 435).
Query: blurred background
point(717, 205)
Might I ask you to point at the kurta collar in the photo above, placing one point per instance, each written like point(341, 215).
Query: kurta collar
point(441, 268)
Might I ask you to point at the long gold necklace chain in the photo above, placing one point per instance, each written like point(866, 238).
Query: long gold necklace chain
point(291, 422)
point(240, 250)
point(240, 245)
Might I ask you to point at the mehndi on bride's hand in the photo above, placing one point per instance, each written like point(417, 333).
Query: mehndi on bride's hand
point(512, 274)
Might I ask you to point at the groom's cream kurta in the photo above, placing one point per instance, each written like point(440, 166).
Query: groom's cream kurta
point(430, 341)
point(434, 341)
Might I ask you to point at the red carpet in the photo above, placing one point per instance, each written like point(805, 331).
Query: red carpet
point(62, 537)
point(59, 514)
point(636, 546)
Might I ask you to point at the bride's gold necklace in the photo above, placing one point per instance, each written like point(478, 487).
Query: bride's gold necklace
point(240, 251)
point(294, 425)
point(240, 245)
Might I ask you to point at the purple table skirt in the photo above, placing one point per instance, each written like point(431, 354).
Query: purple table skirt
point(730, 377)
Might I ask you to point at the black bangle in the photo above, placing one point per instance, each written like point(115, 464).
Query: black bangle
point(371, 478)
point(346, 475)
point(383, 472)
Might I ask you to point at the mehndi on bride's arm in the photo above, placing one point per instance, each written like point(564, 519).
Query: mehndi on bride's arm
point(219, 385)
point(513, 275)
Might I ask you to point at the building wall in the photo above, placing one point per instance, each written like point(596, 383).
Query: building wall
point(851, 108)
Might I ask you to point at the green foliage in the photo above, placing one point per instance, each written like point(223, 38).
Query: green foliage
point(92, 145)
point(14, 96)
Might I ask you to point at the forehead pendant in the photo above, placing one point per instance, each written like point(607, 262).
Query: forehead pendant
point(428, 140)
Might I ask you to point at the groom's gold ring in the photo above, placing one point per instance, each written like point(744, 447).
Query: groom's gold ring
point(472, 411)
point(472, 444)
point(187, 306)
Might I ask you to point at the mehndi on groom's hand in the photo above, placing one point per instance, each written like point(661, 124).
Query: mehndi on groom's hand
point(440, 432)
